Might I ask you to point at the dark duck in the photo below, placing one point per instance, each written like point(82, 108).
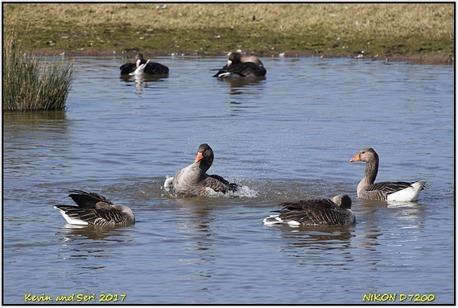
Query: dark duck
point(142, 66)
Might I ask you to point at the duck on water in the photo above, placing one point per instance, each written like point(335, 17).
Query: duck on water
point(142, 67)
point(241, 65)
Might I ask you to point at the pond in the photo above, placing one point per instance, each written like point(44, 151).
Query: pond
point(285, 138)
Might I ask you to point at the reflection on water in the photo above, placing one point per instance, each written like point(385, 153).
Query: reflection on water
point(33, 116)
point(72, 232)
point(142, 82)
point(317, 237)
point(287, 137)
point(238, 86)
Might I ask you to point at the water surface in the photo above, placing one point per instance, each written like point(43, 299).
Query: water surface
point(284, 138)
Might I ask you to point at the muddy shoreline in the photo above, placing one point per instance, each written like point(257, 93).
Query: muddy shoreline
point(413, 59)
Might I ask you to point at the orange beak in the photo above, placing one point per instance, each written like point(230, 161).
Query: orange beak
point(357, 157)
point(198, 157)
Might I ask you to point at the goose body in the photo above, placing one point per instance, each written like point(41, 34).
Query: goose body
point(383, 191)
point(240, 65)
point(334, 211)
point(94, 209)
point(193, 180)
point(142, 66)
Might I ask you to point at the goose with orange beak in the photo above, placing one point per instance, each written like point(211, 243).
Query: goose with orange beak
point(193, 180)
point(383, 191)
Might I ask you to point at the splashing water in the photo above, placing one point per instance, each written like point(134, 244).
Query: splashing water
point(243, 191)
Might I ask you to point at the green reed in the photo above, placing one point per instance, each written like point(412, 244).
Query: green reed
point(31, 84)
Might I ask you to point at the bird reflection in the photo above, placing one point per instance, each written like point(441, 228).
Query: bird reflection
point(239, 86)
point(200, 217)
point(318, 237)
point(142, 81)
point(412, 212)
point(72, 232)
point(374, 214)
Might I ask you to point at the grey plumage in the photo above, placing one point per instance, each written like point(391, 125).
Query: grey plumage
point(383, 191)
point(194, 180)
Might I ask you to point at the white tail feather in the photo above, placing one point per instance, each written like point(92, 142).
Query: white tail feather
point(407, 194)
point(71, 220)
point(272, 220)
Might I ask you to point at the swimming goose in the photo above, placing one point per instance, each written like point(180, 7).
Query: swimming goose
point(384, 191)
point(94, 209)
point(142, 66)
point(334, 211)
point(194, 180)
point(242, 65)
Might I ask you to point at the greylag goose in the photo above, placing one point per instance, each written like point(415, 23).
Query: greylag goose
point(94, 209)
point(194, 180)
point(242, 65)
point(384, 191)
point(334, 211)
point(142, 66)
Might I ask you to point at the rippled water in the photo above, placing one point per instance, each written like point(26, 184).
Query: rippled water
point(288, 137)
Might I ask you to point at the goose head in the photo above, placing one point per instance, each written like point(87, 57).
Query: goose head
point(234, 57)
point(139, 59)
point(344, 201)
point(204, 157)
point(370, 157)
point(365, 155)
point(237, 57)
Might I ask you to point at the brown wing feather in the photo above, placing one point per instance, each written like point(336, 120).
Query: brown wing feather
point(314, 212)
point(388, 187)
point(218, 184)
point(87, 199)
point(309, 204)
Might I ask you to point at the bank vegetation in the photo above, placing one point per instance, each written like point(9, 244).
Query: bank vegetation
point(325, 29)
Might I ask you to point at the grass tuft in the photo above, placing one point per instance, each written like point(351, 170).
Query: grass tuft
point(31, 84)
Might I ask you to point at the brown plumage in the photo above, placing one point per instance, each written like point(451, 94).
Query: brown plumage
point(94, 209)
point(334, 211)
